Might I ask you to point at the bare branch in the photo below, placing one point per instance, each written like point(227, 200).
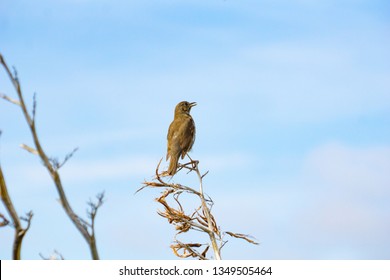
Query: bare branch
point(52, 165)
point(34, 108)
point(94, 207)
point(68, 156)
point(19, 230)
point(29, 149)
point(9, 99)
point(15, 76)
point(27, 219)
point(3, 222)
point(57, 164)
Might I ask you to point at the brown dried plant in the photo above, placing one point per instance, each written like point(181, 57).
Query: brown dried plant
point(200, 219)
point(86, 228)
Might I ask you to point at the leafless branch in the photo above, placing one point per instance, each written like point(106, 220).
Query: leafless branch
point(19, 230)
point(27, 219)
point(68, 156)
point(34, 110)
point(9, 99)
point(3, 222)
point(93, 209)
point(51, 166)
point(29, 149)
point(57, 164)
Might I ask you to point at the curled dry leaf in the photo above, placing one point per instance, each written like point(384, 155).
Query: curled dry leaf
point(242, 236)
point(187, 250)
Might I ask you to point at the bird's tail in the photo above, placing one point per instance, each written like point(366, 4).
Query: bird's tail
point(173, 165)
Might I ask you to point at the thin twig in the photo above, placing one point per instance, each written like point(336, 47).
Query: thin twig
point(29, 149)
point(4, 222)
point(9, 99)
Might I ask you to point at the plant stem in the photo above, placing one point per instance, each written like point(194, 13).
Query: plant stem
point(206, 210)
point(19, 230)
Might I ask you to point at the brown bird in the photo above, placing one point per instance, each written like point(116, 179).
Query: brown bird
point(181, 135)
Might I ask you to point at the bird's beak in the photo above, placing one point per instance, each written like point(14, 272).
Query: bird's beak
point(192, 104)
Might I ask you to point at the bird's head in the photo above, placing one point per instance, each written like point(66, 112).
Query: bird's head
point(184, 107)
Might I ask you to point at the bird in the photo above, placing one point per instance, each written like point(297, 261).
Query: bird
point(181, 135)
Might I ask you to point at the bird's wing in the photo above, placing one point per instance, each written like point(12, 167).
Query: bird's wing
point(189, 139)
point(170, 131)
point(173, 144)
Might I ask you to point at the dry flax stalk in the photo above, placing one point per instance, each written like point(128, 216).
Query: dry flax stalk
point(242, 236)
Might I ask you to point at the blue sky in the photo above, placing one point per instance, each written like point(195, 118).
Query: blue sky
point(292, 121)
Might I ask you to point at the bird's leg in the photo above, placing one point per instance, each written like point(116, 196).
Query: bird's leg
point(185, 165)
point(191, 165)
point(194, 163)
